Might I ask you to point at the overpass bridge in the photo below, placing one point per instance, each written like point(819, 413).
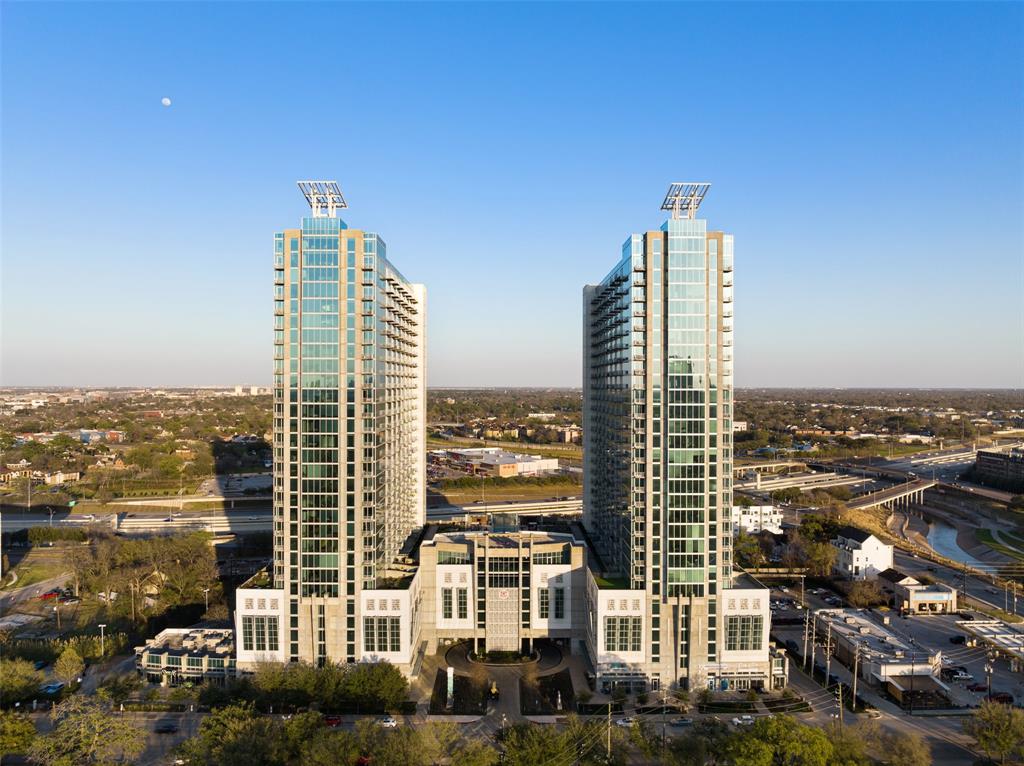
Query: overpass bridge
point(899, 496)
point(801, 481)
point(768, 465)
point(526, 508)
point(243, 521)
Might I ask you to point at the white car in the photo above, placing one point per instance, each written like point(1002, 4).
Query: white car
point(743, 720)
point(626, 722)
point(388, 722)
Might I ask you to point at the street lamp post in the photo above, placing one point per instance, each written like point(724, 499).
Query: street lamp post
point(989, 667)
point(56, 611)
point(206, 593)
point(103, 640)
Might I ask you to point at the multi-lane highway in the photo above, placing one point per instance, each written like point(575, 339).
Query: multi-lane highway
point(144, 520)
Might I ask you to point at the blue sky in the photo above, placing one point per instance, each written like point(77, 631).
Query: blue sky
point(868, 159)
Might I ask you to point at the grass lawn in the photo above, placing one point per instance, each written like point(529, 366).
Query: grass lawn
point(985, 536)
point(1013, 540)
point(38, 565)
point(509, 493)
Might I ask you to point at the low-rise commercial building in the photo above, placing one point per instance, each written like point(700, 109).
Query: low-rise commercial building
point(882, 658)
point(491, 461)
point(911, 595)
point(177, 655)
point(860, 555)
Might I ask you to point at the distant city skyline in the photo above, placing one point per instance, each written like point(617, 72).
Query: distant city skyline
point(867, 158)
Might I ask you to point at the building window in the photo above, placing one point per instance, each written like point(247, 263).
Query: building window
point(542, 603)
point(446, 603)
point(382, 634)
point(369, 634)
point(261, 635)
point(272, 644)
point(559, 603)
point(463, 595)
point(247, 633)
point(743, 633)
point(395, 633)
point(622, 634)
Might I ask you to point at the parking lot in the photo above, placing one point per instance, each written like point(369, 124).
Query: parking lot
point(934, 632)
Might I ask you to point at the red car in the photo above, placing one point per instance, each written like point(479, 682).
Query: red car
point(976, 687)
point(332, 720)
point(50, 594)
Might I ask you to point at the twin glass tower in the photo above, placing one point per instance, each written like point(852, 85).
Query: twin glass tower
point(349, 456)
point(349, 422)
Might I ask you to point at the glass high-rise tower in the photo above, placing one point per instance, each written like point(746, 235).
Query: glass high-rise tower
point(349, 424)
point(657, 424)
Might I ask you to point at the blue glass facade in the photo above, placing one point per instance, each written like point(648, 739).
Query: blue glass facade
point(348, 414)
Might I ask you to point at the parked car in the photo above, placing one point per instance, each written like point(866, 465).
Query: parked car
point(958, 639)
point(743, 720)
point(976, 687)
point(388, 722)
point(1004, 698)
point(166, 727)
point(51, 689)
point(681, 722)
point(40, 664)
point(49, 595)
point(332, 720)
point(626, 722)
point(962, 676)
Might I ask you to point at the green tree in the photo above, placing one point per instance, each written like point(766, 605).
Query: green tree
point(998, 729)
point(237, 736)
point(299, 729)
point(865, 593)
point(69, 666)
point(476, 752)
point(84, 732)
point(820, 558)
point(780, 741)
point(747, 550)
point(528, 745)
point(849, 745)
point(331, 748)
point(19, 681)
point(907, 749)
point(17, 732)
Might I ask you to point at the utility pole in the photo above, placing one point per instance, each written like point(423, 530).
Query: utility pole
point(103, 644)
point(839, 701)
point(807, 631)
point(608, 752)
point(814, 639)
point(913, 657)
point(828, 653)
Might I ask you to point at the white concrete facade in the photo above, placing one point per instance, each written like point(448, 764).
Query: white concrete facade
point(860, 555)
point(756, 519)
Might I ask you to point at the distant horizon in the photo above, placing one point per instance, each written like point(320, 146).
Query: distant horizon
point(192, 387)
